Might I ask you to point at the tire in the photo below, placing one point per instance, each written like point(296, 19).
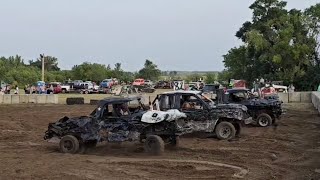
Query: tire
point(78, 100)
point(264, 120)
point(154, 145)
point(63, 91)
point(86, 92)
point(225, 131)
point(81, 92)
point(69, 144)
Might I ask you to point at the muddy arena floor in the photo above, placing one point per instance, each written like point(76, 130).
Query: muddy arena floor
point(290, 150)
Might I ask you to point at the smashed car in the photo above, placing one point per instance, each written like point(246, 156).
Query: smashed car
point(264, 112)
point(202, 115)
point(116, 120)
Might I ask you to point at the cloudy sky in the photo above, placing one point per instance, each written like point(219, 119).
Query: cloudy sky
point(175, 34)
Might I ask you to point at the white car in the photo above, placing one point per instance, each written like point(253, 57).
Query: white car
point(88, 85)
point(148, 82)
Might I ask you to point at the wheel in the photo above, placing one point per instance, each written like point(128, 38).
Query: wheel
point(264, 120)
point(63, 91)
point(69, 144)
point(154, 145)
point(86, 92)
point(225, 131)
point(81, 92)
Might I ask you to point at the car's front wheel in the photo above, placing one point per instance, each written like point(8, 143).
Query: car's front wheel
point(154, 145)
point(225, 130)
point(69, 144)
point(264, 120)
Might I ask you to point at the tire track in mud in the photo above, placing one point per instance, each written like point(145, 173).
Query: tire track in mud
point(241, 172)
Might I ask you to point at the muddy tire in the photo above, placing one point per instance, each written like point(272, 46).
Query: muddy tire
point(225, 131)
point(154, 145)
point(69, 144)
point(77, 100)
point(264, 120)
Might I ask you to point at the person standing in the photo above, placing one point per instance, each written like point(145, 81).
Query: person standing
point(17, 90)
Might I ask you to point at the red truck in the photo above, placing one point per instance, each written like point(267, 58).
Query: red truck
point(56, 88)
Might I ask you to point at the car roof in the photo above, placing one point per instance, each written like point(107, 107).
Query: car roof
point(182, 92)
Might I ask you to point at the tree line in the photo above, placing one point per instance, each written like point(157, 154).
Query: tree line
point(15, 71)
point(279, 44)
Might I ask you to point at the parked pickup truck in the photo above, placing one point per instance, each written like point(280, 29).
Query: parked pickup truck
point(65, 88)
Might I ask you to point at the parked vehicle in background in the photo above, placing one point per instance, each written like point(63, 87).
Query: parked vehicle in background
point(163, 85)
point(138, 82)
point(210, 90)
point(77, 82)
point(106, 83)
point(41, 87)
point(54, 88)
point(65, 88)
point(148, 82)
point(88, 85)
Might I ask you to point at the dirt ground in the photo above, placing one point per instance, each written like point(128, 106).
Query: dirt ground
point(290, 150)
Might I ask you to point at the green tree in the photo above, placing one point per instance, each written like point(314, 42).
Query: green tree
point(211, 78)
point(50, 63)
point(93, 72)
point(150, 71)
point(117, 72)
point(277, 44)
point(194, 77)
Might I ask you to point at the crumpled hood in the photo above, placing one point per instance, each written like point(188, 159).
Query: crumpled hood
point(265, 102)
point(83, 125)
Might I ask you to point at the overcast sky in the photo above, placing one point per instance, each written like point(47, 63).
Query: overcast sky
point(175, 34)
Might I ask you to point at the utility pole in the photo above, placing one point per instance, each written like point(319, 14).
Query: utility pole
point(42, 59)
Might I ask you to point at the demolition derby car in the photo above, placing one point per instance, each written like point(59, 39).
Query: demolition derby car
point(264, 112)
point(115, 120)
point(202, 115)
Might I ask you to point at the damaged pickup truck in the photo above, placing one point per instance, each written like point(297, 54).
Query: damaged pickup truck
point(115, 121)
point(264, 112)
point(202, 115)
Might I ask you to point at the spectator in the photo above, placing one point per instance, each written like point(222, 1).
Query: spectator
point(291, 88)
point(318, 88)
point(17, 90)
